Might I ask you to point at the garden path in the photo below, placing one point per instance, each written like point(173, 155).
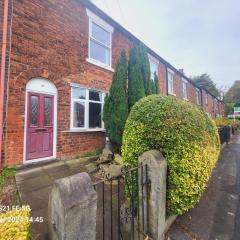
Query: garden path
point(34, 186)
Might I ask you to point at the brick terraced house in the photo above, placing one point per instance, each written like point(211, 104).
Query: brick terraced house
point(57, 62)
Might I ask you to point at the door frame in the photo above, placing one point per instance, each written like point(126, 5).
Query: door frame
point(41, 86)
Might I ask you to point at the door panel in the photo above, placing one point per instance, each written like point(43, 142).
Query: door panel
point(46, 141)
point(39, 142)
point(33, 143)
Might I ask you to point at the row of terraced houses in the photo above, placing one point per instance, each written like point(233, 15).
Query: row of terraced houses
point(57, 62)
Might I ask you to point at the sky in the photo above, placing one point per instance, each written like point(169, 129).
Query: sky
point(200, 36)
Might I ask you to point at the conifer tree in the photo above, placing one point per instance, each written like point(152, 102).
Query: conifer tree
point(156, 84)
point(135, 79)
point(153, 87)
point(115, 111)
point(145, 70)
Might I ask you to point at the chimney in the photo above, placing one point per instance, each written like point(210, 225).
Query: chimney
point(181, 70)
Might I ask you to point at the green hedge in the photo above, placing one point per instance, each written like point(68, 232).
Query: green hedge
point(187, 138)
point(223, 121)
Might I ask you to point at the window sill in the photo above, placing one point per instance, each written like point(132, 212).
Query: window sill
point(186, 99)
point(173, 94)
point(99, 64)
point(84, 130)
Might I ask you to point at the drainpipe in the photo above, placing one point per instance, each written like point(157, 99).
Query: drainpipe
point(3, 66)
point(201, 92)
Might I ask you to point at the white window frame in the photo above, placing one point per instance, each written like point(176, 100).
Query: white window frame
point(154, 61)
point(170, 82)
point(184, 89)
point(86, 113)
point(206, 99)
point(197, 94)
point(98, 21)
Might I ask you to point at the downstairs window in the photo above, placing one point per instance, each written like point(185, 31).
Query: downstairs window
point(86, 109)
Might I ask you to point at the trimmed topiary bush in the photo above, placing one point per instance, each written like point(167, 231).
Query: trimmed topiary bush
point(187, 138)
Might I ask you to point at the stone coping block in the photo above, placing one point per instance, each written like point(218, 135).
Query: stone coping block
point(73, 208)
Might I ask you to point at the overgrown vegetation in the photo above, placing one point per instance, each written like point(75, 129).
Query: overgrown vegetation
point(94, 153)
point(5, 173)
point(187, 138)
point(223, 121)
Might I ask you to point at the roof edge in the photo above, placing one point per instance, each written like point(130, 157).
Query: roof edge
point(120, 28)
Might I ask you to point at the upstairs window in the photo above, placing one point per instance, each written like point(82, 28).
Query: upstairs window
point(99, 44)
point(184, 89)
point(100, 41)
point(86, 109)
point(197, 97)
point(206, 99)
point(170, 82)
point(153, 67)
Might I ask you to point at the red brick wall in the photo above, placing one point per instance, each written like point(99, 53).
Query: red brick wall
point(162, 78)
point(6, 65)
point(205, 106)
point(211, 105)
point(177, 87)
point(50, 42)
point(1, 28)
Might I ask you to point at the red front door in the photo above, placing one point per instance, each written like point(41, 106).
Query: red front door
point(39, 142)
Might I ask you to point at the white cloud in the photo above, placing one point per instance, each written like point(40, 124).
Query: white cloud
point(199, 36)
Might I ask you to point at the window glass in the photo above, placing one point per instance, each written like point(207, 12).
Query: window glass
point(47, 111)
point(170, 82)
point(185, 90)
point(99, 52)
point(34, 110)
point(100, 34)
point(79, 93)
point(95, 119)
point(153, 68)
point(78, 114)
point(89, 108)
point(197, 97)
point(95, 96)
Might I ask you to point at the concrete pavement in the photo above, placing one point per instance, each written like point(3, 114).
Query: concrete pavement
point(35, 184)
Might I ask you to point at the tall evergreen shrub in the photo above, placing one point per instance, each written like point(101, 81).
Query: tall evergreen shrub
point(136, 88)
point(145, 70)
point(155, 84)
point(115, 111)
